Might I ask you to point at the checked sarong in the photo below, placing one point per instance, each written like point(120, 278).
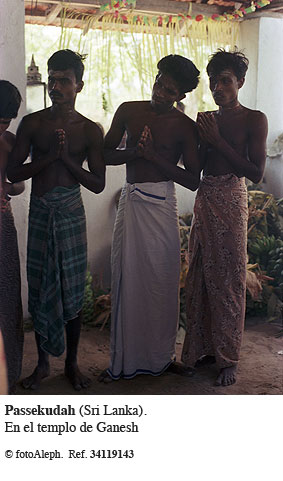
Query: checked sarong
point(56, 263)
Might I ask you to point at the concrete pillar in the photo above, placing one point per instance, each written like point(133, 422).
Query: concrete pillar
point(12, 48)
point(261, 40)
point(12, 68)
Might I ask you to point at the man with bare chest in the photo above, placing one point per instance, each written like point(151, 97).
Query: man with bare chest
point(146, 244)
point(11, 314)
point(60, 139)
point(233, 146)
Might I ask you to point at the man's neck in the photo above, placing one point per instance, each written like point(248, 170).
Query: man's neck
point(234, 105)
point(162, 110)
point(64, 111)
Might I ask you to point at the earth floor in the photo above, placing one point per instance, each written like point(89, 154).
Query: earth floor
point(260, 369)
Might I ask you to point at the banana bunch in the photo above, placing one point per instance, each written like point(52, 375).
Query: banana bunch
point(275, 264)
point(260, 250)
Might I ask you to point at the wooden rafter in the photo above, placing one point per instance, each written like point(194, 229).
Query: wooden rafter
point(47, 12)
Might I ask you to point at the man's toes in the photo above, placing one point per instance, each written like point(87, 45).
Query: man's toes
point(85, 382)
point(77, 386)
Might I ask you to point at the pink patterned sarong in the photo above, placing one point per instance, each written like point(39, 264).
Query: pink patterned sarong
point(216, 280)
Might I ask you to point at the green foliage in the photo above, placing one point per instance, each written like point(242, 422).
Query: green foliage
point(265, 248)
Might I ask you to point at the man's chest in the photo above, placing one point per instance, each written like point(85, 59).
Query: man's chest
point(45, 137)
point(235, 131)
point(164, 130)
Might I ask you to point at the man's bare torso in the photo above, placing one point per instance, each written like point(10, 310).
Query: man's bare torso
point(168, 131)
point(43, 125)
point(234, 127)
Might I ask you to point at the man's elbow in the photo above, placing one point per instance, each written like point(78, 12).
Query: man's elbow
point(12, 177)
point(194, 184)
point(99, 187)
point(256, 177)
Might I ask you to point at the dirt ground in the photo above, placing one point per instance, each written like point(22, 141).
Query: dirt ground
point(260, 370)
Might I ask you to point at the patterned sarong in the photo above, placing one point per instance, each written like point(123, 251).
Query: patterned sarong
point(216, 280)
point(56, 263)
point(11, 317)
point(145, 280)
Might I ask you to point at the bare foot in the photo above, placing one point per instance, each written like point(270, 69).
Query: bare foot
point(181, 369)
point(76, 378)
point(227, 376)
point(104, 377)
point(33, 382)
point(205, 361)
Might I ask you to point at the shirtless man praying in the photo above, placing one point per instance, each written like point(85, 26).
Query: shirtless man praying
point(146, 243)
point(60, 139)
point(233, 145)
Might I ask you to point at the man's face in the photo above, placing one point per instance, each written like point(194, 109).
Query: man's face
point(4, 124)
point(63, 86)
point(165, 92)
point(224, 87)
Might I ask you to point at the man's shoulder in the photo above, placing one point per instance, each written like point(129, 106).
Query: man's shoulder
point(35, 117)
point(91, 127)
point(184, 121)
point(255, 114)
point(256, 119)
point(133, 106)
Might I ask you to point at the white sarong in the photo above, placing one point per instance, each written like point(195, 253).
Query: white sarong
point(145, 280)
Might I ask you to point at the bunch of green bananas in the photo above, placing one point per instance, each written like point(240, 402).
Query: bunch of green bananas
point(275, 264)
point(259, 250)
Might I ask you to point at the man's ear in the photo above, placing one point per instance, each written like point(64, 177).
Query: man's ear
point(79, 86)
point(241, 82)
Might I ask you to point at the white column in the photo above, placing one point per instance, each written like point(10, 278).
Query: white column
point(12, 68)
point(12, 48)
point(270, 65)
point(262, 40)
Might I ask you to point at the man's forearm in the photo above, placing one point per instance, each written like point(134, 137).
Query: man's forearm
point(18, 173)
point(241, 166)
point(90, 180)
point(119, 156)
point(177, 174)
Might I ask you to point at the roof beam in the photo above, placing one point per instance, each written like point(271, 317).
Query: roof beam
point(50, 17)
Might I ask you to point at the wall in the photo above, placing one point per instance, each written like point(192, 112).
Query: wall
point(262, 40)
point(12, 68)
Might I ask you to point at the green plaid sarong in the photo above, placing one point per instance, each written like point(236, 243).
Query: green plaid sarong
point(56, 263)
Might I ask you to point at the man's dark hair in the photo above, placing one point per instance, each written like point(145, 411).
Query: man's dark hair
point(10, 100)
point(67, 59)
point(222, 60)
point(182, 71)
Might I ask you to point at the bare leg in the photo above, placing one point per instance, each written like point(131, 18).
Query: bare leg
point(41, 371)
point(227, 376)
point(72, 372)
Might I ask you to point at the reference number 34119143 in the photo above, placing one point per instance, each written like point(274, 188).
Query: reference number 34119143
point(111, 453)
